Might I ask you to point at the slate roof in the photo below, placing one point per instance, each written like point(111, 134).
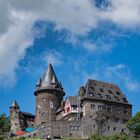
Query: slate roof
point(15, 104)
point(99, 90)
point(27, 114)
point(73, 100)
point(49, 79)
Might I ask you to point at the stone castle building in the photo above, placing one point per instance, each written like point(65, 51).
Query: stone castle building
point(99, 107)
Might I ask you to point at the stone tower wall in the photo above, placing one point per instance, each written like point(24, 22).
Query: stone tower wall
point(46, 104)
point(15, 119)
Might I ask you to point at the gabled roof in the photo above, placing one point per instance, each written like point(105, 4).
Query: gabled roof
point(15, 104)
point(73, 100)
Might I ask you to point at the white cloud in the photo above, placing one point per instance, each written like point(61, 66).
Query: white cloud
point(53, 57)
point(124, 12)
point(79, 17)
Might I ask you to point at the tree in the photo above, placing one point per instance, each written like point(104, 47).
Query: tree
point(134, 124)
point(4, 123)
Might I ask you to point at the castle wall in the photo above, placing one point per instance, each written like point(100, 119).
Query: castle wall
point(46, 106)
point(15, 120)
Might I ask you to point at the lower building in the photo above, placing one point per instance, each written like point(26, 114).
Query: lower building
point(99, 107)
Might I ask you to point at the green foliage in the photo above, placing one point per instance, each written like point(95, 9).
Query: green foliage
point(4, 123)
point(121, 136)
point(1, 138)
point(20, 139)
point(134, 124)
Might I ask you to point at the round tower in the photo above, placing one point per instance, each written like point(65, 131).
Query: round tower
point(49, 94)
point(14, 117)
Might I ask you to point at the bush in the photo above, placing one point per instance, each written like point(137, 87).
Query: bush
point(1, 138)
point(121, 136)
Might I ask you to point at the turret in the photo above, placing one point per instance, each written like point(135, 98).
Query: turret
point(14, 117)
point(49, 95)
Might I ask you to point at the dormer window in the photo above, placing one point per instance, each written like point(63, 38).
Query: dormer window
point(110, 92)
point(118, 93)
point(101, 90)
point(99, 95)
point(91, 94)
point(91, 88)
point(124, 100)
point(108, 97)
point(116, 98)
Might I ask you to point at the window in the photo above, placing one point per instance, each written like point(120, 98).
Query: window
point(118, 93)
point(92, 106)
point(125, 111)
point(116, 98)
point(108, 97)
point(99, 95)
point(43, 114)
point(125, 121)
point(101, 90)
point(68, 109)
point(74, 107)
point(108, 118)
point(75, 127)
point(93, 125)
point(118, 110)
point(71, 127)
point(91, 88)
point(117, 119)
point(109, 108)
point(44, 99)
point(108, 127)
point(100, 108)
point(79, 127)
point(91, 94)
point(70, 134)
point(114, 128)
point(110, 92)
point(124, 100)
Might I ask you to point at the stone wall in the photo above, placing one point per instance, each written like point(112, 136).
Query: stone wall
point(43, 110)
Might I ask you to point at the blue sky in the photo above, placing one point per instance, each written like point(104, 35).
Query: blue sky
point(83, 39)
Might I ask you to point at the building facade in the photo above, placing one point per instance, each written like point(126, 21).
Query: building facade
point(99, 107)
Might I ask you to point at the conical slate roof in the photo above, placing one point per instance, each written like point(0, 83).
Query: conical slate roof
point(39, 82)
point(15, 104)
point(49, 78)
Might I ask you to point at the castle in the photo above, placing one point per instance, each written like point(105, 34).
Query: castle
point(99, 108)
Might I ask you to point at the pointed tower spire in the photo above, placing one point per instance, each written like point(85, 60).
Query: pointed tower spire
point(39, 83)
point(15, 104)
point(49, 77)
